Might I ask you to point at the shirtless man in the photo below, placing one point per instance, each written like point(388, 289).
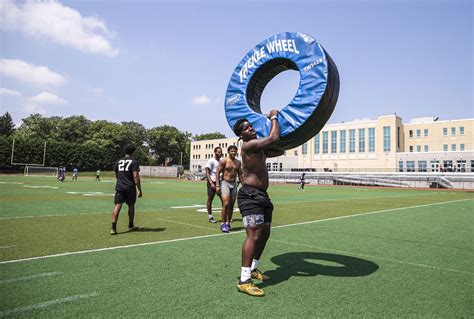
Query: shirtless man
point(254, 203)
point(230, 168)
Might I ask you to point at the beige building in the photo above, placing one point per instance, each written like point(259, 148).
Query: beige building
point(381, 145)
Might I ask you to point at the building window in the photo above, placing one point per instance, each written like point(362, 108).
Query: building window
point(445, 147)
point(425, 132)
point(445, 131)
point(386, 139)
point(453, 147)
point(400, 166)
point(316, 144)
point(325, 142)
point(398, 137)
point(411, 148)
point(304, 149)
point(453, 131)
point(427, 148)
point(410, 166)
point(342, 141)
point(461, 130)
point(461, 147)
point(333, 141)
point(269, 166)
point(361, 140)
point(295, 152)
point(418, 148)
point(410, 133)
point(275, 167)
point(281, 167)
point(434, 166)
point(371, 140)
point(422, 166)
point(448, 166)
point(418, 133)
point(352, 141)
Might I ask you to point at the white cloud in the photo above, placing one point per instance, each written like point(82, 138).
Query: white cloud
point(8, 92)
point(26, 72)
point(32, 108)
point(46, 98)
point(53, 21)
point(201, 100)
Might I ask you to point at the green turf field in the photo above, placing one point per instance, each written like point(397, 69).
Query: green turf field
point(334, 252)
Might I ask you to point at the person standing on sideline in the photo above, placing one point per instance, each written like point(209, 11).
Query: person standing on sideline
point(253, 200)
point(127, 187)
point(227, 186)
point(302, 182)
point(97, 175)
point(211, 168)
point(75, 172)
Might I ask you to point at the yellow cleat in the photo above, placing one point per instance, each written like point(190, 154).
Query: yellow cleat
point(247, 287)
point(257, 274)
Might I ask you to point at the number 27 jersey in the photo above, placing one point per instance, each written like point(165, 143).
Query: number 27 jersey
point(124, 169)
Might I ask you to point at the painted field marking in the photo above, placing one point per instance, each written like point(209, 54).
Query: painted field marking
point(214, 210)
point(17, 183)
point(376, 257)
point(185, 224)
point(90, 193)
point(46, 304)
point(221, 234)
point(41, 186)
point(191, 206)
point(46, 274)
point(163, 209)
point(6, 247)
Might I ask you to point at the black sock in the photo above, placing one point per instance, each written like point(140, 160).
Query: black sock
point(114, 226)
point(130, 224)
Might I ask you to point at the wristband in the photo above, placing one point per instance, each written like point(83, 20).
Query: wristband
point(274, 117)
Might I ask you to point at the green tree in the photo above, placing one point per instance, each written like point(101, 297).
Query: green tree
point(37, 126)
point(167, 142)
point(209, 136)
point(6, 124)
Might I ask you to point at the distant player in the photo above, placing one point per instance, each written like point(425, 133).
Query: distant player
point(302, 182)
point(211, 169)
point(255, 205)
point(227, 186)
point(75, 172)
point(61, 174)
point(127, 187)
point(97, 176)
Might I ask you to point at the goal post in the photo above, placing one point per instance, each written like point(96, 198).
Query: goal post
point(40, 171)
point(27, 164)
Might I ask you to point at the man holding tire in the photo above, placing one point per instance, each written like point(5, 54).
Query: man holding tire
point(254, 203)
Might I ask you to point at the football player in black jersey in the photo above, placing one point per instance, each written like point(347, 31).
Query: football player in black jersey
point(127, 188)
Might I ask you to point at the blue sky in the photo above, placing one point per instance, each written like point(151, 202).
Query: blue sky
point(169, 62)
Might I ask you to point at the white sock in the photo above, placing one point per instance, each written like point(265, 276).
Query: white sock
point(244, 274)
point(210, 216)
point(254, 264)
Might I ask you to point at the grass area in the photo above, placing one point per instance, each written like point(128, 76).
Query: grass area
point(334, 252)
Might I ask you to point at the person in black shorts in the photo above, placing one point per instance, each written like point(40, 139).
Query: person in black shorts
point(254, 203)
point(302, 181)
point(127, 187)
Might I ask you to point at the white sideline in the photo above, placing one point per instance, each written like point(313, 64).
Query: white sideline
point(221, 234)
point(46, 304)
point(7, 281)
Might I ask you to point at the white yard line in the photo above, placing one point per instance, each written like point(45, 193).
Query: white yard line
point(46, 274)
point(191, 206)
point(375, 257)
point(6, 247)
point(185, 224)
point(46, 304)
point(221, 234)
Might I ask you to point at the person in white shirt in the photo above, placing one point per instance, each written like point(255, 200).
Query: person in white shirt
point(211, 169)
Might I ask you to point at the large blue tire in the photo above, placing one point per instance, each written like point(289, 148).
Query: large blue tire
point(314, 101)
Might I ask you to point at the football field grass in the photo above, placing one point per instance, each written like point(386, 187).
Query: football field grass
point(334, 252)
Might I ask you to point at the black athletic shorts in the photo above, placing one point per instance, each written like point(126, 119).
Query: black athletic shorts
point(129, 197)
point(254, 201)
point(211, 192)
